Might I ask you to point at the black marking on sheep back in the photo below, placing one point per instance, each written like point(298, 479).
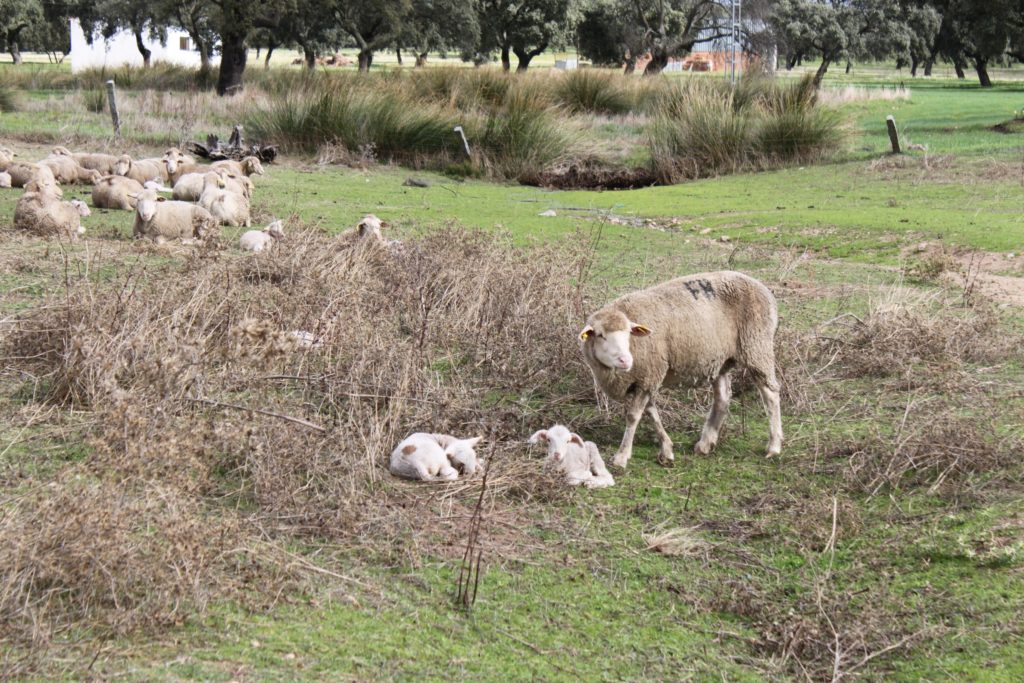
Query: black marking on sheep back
point(698, 287)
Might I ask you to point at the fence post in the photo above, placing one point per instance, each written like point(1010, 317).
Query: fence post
point(894, 138)
point(112, 98)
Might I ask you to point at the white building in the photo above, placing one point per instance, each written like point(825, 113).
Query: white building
point(120, 49)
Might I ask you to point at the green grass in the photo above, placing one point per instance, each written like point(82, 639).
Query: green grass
point(587, 600)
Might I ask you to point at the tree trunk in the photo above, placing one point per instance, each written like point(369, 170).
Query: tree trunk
point(270, 51)
point(204, 54)
point(914, 62)
point(790, 61)
point(12, 47)
point(398, 54)
point(310, 56)
point(506, 63)
point(143, 50)
point(421, 59)
point(928, 64)
point(819, 75)
point(659, 60)
point(849, 67)
point(630, 65)
point(365, 59)
point(981, 66)
point(958, 65)
point(232, 63)
point(799, 58)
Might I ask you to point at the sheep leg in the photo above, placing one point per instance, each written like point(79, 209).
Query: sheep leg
point(665, 457)
point(602, 477)
point(716, 416)
point(770, 398)
point(635, 404)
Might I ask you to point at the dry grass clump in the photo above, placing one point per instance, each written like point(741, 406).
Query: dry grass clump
point(192, 389)
point(676, 542)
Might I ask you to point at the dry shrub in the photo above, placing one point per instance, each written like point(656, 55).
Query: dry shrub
point(938, 447)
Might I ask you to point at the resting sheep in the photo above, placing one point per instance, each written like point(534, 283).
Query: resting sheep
point(258, 240)
point(23, 172)
point(140, 170)
point(104, 163)
point(173, 158)
point(189, 187)
point(41, 211)
point(161, 220)
point(579, 460)
point(434, 457)
point(5, 179)
point(115, 192)
point(247, 166)
point(689, 330)
point(67, 171)
point(228, 207)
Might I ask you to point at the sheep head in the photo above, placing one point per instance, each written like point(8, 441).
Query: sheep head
point(608, 333)
point(557, 439)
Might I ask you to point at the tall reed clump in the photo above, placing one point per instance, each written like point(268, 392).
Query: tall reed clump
point(8, 100)
point(704, 128)
point(596, 92)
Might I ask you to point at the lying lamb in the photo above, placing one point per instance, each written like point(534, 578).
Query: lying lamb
point(579, 460)
point(434, 457)
point(41, 211)
point(690, 330)
point(258, 240)
point(161, 220)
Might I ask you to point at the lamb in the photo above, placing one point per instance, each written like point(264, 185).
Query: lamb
point(258, 240)
point(434, 457)
point(115, 192)
point(104, 163)
point(579, 460)
point(247, 166)
point(226, 206)
point(41, 211)
point(160, 219)
point(67, 171)
point(189, 187)
point(140, 170)
point(690, 330)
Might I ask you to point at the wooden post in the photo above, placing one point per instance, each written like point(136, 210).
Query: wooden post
point(113, 108)
point(894, 138)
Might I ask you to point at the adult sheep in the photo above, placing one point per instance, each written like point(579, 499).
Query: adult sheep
point(161, 220)
point(247, 166)
point(24, 172)
point(189, 187)
point(226, 206)
point(689, 330)
point(41, 211)
point(116, 192)
point(104, 163)
point(67, 171)
point(141, 170)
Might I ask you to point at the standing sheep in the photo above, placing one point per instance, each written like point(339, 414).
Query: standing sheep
point(161, 220)
point(258, 240)
point(434, 457)
point(226, 206)
point(579, 460)
point(689, 330)
point(39, 210)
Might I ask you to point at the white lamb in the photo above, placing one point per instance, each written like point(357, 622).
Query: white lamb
point(258, 240)
point(434, 457)
point(579, 460)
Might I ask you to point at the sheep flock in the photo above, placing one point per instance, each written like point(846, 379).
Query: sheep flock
point(692, 330)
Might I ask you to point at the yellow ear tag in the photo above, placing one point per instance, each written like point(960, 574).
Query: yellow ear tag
point(585, 334)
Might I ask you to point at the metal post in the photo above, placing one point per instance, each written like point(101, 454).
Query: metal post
point(113, 108)
point(736, 11)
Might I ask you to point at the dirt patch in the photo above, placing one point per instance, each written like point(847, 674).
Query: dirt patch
point(1009, 127)
point(587, 177)
point(990, 275)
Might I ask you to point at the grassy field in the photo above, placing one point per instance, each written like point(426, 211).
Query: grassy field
point(887, 542)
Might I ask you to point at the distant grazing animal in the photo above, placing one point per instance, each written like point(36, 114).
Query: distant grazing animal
point(690, 330)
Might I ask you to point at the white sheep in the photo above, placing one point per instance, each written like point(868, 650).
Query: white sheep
point(579, 460)
point(115, 192)
point(230, 208)
point(140, 170)
point(5, 179)
point(690, 330)
point(160, 219)
point(258, 240)
point(434, 457)
point(189, 187)
point(173, 158)
point(67, 171)
point(41, 211)
point(247, 166)
point(104, 163)
point(23, 172)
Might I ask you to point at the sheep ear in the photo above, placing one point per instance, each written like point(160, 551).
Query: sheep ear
point(131, 195)
point(161, 199)
point(587, 332)
point(540, 436)
point(639, 331)
point(576, 438)
point(474, 441)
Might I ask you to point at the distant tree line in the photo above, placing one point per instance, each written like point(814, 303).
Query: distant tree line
point(968, 34)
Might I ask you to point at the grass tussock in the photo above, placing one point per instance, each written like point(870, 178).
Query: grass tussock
point(196, 392)
point(9, 100)
point(597, 92)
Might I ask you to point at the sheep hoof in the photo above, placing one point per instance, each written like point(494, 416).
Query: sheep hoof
point(620, 460)
point(703, 448)
point(772, 452)
point(666, 460)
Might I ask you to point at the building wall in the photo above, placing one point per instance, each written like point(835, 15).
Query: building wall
point(120, 50)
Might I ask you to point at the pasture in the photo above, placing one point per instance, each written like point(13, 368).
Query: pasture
point(154, 526)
